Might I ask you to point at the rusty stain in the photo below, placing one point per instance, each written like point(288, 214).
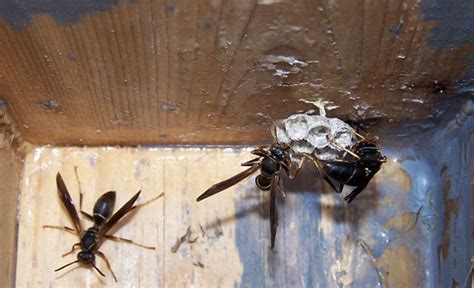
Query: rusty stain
point(403, 223)
point(393, 172)
point(444, 170)
point(451, 207)
point(402, 266)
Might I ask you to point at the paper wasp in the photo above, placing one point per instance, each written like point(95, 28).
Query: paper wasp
point(363, 161)
point(270, 161)
point(92, 238)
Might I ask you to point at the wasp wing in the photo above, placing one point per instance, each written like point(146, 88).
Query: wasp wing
point(127, 207)
point(251, 162)
point(273, 207)
point(68, 203)
point(216, 188)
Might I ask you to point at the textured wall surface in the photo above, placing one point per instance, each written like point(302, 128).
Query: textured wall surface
point(409, 228)
point(161, 72)
point(10, 175)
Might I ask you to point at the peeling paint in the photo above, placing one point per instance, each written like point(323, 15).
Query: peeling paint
point(170, 106)
point(270, 2)
point(20, 13)
point(451, 208)
point(401, 267)
point(454, 22)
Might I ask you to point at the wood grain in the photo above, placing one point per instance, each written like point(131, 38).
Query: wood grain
point(212, 260)
point(11, 152)
point(9, 177)
point(161, 72)
point(321, 241)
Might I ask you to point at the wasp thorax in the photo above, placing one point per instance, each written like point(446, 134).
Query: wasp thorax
point(269, 167)
point(88, 239)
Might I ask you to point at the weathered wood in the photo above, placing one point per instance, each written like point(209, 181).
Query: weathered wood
point(9, 179)
point(181, 173)
point(160, 72)
point(10, 169)
point(379, 239)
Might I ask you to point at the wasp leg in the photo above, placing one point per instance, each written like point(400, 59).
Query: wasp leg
point(320, 170)
point(85, 214)
point(119, 239)
point(74, 247)
point(147, 202)
point(340, 148)
point(102, 255)
point(64, 228)
point(295, 171)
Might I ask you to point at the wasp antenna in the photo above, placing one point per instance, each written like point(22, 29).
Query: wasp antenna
point(97, 269)
point(62, 267)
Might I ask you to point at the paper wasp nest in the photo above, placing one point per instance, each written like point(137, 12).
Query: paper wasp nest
point(318, 135)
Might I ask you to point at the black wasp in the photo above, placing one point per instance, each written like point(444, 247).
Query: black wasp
point(92, 238)
point(271, 159)
point(357, 169)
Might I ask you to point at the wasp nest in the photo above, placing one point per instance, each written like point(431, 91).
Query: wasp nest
point(318, 135)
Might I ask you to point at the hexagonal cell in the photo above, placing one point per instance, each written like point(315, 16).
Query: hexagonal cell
point(323, 137)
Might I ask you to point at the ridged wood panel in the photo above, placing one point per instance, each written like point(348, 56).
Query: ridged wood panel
point(215, 72)
point(384, 238)
point(10, 178)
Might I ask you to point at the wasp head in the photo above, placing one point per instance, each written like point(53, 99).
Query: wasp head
point(86, 257)
point(279, 152)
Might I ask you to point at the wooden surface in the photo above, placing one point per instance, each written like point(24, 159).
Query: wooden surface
point(10, 169)
point(181, 174)
point(379, 240)
point(9, 177)
point(161, 72)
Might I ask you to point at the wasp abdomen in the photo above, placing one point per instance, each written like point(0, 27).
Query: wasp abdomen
point(268, 168)
point(346, 172)
point(103, 207)
point(263, 182)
